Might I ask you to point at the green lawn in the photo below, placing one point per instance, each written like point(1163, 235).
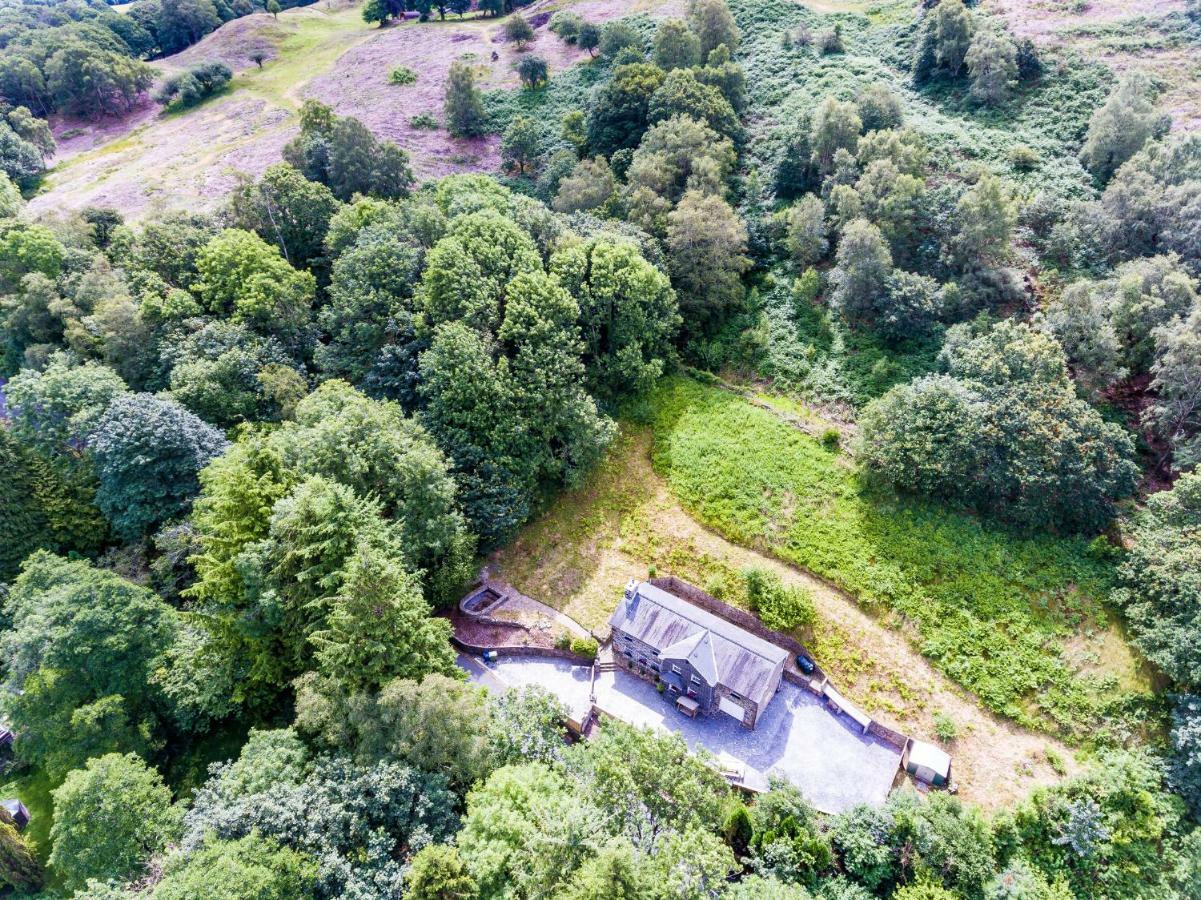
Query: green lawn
point(33, 789)
point(997, 611)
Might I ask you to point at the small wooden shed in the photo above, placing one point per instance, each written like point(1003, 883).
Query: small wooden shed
point(928, 763)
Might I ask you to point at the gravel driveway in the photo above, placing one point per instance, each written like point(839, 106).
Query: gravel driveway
point(797, 737)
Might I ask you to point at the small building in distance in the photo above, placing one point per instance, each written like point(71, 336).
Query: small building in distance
point(705, 663)
point(16, 811)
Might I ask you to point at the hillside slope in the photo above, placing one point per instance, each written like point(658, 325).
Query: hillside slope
point(191, 159)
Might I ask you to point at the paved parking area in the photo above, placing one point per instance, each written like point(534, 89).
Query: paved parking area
point(797, 738)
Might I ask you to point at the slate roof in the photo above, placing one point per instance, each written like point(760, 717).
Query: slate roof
point(718, 650)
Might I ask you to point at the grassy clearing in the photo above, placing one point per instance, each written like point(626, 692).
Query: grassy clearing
point(33, 789)
point(310, 49)
point(624, 520)
point(994, 610)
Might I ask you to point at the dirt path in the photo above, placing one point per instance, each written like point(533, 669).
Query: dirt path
point(578, 557)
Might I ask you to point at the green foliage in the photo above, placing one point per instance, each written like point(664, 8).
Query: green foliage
point(533, 71)
point(520, 145)
point(372, 818)
point(781, 607)
point(518, 30)
point(992, 63)
point(288, 210)
point(1161, 582)
point(147, 454)
point(945, 727)
point(618, 115)
point(1110, 831)
point(79, 654)
point(706, 241)
point(110, 818)
point(195, 85)
point(713, 25)
point(437, 873)
point(676, 46)
point(526, 725)
point(1121, 127)
point(463, 107)
point(943, 42)
point(250, 868)
point(54, 410)
point(1056, 464)
point(585, 647)
point(46, 506)
point(628, 309)
point(341, 152)
point(20, 868)
point(1185, 766)
point(759, 482)
point(380, 627)
point(440, 723)
point(246, 278)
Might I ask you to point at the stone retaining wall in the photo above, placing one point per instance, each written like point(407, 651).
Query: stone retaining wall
point(549, 652)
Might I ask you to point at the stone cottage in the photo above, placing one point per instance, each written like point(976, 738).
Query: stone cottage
point(706, 663)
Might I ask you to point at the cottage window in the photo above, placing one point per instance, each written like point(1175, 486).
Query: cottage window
point(677, 669)
point(735, 696)
point(695, 680)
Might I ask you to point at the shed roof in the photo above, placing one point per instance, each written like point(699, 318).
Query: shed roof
point(718, 650)
point(927, 756)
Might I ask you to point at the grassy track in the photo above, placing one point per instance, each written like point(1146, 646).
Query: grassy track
point(1018, 620)
point(310, 49)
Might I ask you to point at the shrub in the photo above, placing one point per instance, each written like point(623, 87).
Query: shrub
point(830, 438)
point(402, 75)
point(532, 71)
point(566, 25)
point(424, 121)
point(585, 647)
point(1023, 158)
point(945, 727)
point(618, 36)
point(189, 88)
point(780, 607)
point(830, 41)
point(519, 31)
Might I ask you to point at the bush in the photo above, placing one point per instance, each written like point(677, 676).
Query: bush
point(585, 647)
point(402, 75)
point(1023, 158)
point(830, 41)
point(831, 438)
point(945, 727)
point(424, 121)
point(566, 25)
point(532, 71)
point(189, 88)
point(780, 607)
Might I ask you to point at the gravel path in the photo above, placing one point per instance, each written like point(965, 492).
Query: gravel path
point(797, 738)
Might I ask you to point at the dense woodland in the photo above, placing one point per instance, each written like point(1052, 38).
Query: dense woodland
point(245, 458)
